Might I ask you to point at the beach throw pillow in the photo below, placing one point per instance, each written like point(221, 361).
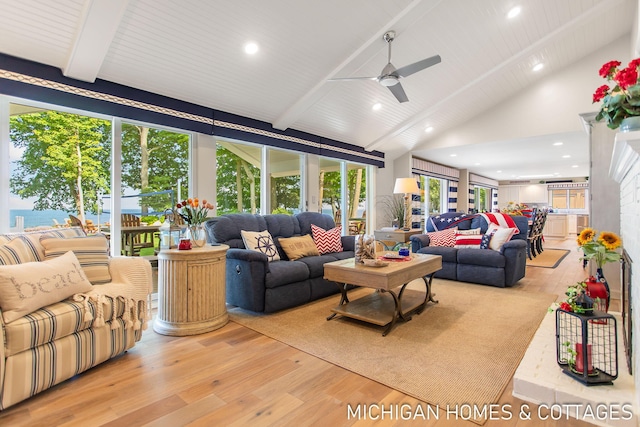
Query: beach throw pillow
point(499, 236)
point(298, 247)
point(260, 241)
point(24, 288)
point(327, 241)
point(16, 252)
point(445, 237)
point(92, 253)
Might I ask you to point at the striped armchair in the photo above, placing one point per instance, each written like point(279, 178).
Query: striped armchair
point(62, 339)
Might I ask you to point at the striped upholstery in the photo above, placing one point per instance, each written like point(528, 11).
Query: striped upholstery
point(32, 238)
point(51, 323)
point(44, 366)
point(16, 251)
point(61, 340)
point(92, 253)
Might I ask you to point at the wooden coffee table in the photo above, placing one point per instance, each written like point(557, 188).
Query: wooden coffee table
point(377, 307)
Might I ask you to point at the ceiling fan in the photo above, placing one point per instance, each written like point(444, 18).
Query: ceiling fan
point(390, 76)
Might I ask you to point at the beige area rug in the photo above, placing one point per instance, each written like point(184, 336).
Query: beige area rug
point(548, 258)
point(463, 350)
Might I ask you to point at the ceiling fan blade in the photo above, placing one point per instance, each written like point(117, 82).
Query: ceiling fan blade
point(398, 92)
point(338, 79)
point(407, 70)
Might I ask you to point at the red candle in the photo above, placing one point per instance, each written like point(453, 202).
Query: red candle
point(580, 359)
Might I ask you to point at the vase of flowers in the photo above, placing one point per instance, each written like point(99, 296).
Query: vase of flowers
point(620, 97)
point(601, 250)
point(195, 212)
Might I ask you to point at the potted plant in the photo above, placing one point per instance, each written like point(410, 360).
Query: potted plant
point(620, 103)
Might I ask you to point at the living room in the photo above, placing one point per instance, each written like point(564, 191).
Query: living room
point(528, 114)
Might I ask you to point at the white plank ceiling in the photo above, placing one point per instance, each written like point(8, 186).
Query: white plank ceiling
point(193, 50)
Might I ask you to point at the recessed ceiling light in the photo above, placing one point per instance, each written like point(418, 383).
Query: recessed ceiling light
point(498, 171)
point(376, 106)
point(453, 155)
point(515, 11)
point(558, 143)
point(476, 164)
point(429, 129)
point(251, 48)
point(566, 156)
point(538, 67)
point(574, 166)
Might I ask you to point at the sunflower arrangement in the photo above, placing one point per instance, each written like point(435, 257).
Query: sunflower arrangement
point(601, 249)
point(193, 211)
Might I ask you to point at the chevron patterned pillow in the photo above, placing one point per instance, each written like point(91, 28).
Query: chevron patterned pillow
point(327, 241)
point(445, 237)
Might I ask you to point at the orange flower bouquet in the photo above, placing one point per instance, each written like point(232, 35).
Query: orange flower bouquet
point(193, 212)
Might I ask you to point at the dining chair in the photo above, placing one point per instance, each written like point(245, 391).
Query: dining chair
point(535, 236)
point(540, 238)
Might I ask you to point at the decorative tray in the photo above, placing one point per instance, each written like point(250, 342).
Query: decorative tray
point(374, 263)
point(393, 255)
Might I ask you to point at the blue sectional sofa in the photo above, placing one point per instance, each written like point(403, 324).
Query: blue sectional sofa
point(254, 283)
point(485, 266)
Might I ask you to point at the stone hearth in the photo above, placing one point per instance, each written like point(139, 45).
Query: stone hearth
point(540, 380)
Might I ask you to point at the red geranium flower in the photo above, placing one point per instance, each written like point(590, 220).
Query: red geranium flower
point(634, 63)
point(609, 68)
point(600, 93)
point(626, 77)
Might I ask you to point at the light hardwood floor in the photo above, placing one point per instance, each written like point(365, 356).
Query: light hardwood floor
point(237, 377)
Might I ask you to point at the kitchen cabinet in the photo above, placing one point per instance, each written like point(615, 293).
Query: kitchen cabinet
point(534, 193)
point(572, 224)
point(508, 193)
point(530, 193)
point(555, 226)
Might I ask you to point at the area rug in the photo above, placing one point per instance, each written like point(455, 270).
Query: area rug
point(461, 351)
point(548, 258)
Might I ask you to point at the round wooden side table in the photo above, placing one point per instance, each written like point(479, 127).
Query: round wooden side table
point(191, 291)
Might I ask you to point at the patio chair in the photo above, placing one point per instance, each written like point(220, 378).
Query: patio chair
point(74, 221)
point(133, 240)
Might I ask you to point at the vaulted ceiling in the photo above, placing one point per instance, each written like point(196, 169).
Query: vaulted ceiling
point(193, 50)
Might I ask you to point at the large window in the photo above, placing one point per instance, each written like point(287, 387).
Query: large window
point(59, 165)
point(155, 170)
point(331, 182)
point(435, 195)
point(61, 171)
point(569, 198)
point(238, 177)
point(284, 171)
point(482, 199)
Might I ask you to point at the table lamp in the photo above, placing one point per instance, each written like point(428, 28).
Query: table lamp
point(406, 186)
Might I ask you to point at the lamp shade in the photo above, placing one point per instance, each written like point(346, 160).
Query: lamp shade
point(406, 186)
